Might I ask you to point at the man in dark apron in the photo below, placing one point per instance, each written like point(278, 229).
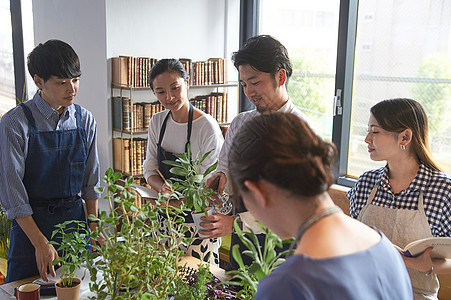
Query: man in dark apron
point(48, 158)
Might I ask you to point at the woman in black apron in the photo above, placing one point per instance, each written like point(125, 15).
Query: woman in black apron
point(174, 130)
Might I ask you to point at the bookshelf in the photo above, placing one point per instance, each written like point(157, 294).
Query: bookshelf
point(131, 118)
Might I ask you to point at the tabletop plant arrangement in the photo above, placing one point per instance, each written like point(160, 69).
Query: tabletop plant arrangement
point(264, 259)
point(71, 241)
point(133, 263)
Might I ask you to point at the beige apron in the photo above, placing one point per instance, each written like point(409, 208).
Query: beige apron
point(403, 226)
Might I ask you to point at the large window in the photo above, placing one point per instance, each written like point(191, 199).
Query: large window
point(308, 29)
point(7, 90)
point(388, 49)
point(402, 50)
point(14, 12)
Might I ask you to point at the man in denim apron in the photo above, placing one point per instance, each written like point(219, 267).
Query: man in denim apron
point(48, 156)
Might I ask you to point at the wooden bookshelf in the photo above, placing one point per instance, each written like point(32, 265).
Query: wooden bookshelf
point(130, 118)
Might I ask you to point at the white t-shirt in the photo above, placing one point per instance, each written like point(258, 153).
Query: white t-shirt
point(205, 136)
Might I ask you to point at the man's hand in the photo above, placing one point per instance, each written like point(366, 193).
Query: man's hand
point(45, 254)
point(219, 224)
point(221, 184)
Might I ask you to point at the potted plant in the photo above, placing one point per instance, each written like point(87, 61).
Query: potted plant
point(193, 188)
point(72, 244)
point(134, 263)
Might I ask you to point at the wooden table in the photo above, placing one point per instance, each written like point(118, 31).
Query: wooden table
point(7, 290)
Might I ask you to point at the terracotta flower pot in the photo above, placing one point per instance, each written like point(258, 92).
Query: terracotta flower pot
point(68, 293)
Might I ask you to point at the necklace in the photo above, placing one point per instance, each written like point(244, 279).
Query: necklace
point(310, 221)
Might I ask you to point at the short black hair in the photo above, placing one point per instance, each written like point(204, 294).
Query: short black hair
point(167, 65)
point(265, 54)
point(54, 57)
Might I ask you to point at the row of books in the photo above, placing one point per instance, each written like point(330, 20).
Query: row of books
point(134, 71)
point(131, 71)
point(129, 155)
point(128, 117)
point(212, 71)
point(137, 117)
point(215, 104)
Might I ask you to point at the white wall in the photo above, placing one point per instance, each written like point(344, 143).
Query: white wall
point(82, 24)
point(196, 29)
point(101, 29)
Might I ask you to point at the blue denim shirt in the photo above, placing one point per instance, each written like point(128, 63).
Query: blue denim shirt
point(14, 133)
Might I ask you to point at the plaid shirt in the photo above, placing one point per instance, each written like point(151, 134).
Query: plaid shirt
point(436, 188)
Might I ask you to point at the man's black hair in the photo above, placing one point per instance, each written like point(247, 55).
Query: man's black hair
point(56, 58)
point(265, 54)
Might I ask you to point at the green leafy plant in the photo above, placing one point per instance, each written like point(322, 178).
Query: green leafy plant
point(72, 243)
point(193, 188)
point(5, 228)
point(194, 286)
point(136, 263)
point(264, 262)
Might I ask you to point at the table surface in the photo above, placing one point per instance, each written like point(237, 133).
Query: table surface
point(7, 290)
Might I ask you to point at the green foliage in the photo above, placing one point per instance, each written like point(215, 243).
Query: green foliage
point(432, 94)
point(136, 263)
point(264, 262)
point(306, 88)
point(194, 290)
point(73, 241)
point(193, 188)
point(5, 228)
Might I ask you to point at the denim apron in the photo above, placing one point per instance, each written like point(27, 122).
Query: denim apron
point(403, 226)
point(54, 174)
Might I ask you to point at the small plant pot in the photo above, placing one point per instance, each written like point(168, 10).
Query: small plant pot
point(197, 221)
point(68, 293)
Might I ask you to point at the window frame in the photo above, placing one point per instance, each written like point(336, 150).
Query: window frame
point(18, 50)
point(341, 124)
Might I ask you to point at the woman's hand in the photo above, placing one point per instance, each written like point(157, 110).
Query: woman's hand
point(422, 263)
point(165, 189)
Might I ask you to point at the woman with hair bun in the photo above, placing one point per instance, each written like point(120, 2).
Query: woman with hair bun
point(409, 198)
point(282, 171)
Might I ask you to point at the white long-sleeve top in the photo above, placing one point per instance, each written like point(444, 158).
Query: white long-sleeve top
point(205, 136)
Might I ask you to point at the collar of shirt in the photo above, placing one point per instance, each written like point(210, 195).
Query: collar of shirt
point(420, 182)
point(47, 111)
point(287, 107)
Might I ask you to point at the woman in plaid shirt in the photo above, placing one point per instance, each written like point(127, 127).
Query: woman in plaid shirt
point(409, 198)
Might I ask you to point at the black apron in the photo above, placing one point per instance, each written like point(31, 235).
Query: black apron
point(163, 155)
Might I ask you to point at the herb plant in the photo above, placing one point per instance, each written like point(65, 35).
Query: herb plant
point(73, 241)
point(136, 263)
point(193, 188)
point(264, 262)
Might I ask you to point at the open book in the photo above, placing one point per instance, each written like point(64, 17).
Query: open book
point(441, 245)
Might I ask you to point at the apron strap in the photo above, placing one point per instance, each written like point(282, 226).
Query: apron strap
point(190, 125)
point(78, 115)
point(29, 116)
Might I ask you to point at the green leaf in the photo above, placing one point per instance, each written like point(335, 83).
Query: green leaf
point(211, 168)
point(178, 171)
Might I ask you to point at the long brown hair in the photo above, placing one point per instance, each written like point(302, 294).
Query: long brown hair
point(282, 149)
point(397, 115)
